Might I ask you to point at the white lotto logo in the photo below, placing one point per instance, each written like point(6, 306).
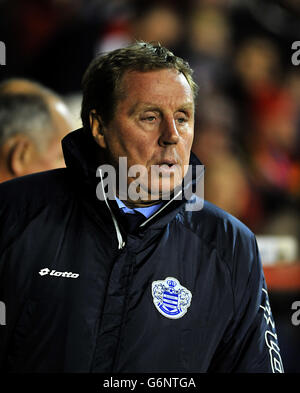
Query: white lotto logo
point(46, 271)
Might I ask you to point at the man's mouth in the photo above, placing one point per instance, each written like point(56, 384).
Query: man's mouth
point(169, 163)
point(167, 167)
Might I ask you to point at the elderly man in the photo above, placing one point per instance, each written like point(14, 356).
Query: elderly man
point(33, 120)
point(95, 281)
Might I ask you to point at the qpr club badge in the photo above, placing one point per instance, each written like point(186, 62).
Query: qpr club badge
point(170, 298)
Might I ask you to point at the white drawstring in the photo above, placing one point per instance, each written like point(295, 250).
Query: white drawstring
point(161, 209)
point(119, 235)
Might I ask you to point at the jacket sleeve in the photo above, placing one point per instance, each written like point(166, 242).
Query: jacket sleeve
point(3, 305)
point(8, 224)
point(250, 344)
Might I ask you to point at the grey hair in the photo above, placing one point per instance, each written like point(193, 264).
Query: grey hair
point(27, 114)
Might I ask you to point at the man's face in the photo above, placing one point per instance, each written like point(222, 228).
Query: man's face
point(153, 124)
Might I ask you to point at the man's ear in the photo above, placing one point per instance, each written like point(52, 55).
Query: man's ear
point(20, 152)
point(97, 127)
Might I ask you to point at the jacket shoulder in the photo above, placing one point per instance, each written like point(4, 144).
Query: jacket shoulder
point(34, 189)
point(23, 199)
point(212, 220)
point(218, 229)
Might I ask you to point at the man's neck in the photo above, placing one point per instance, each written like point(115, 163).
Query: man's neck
point(139, 203)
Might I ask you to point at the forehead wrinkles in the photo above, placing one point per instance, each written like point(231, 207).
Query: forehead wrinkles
point(165, 86)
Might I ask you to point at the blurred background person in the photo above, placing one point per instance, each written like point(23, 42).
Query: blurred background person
point(209, 47)
point(147, 21)
point(33, 120)
point(227, 180)
point(270, 137)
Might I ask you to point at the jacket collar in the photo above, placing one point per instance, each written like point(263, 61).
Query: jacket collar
point(83, 156)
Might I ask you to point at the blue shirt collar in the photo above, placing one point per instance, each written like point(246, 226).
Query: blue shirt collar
point(146, 211)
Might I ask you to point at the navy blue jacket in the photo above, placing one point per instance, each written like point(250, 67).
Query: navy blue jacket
point(185, 292)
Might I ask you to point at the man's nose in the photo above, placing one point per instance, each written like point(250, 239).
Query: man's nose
point(169, 134)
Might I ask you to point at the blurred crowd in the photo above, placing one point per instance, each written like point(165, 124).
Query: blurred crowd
point(247, 130)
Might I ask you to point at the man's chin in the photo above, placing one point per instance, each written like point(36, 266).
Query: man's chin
point(159, 193)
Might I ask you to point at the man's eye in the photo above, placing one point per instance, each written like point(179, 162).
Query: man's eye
point(150, 119)
point(181, 120)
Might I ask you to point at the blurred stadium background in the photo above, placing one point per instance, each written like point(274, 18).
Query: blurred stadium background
point(248, 120)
